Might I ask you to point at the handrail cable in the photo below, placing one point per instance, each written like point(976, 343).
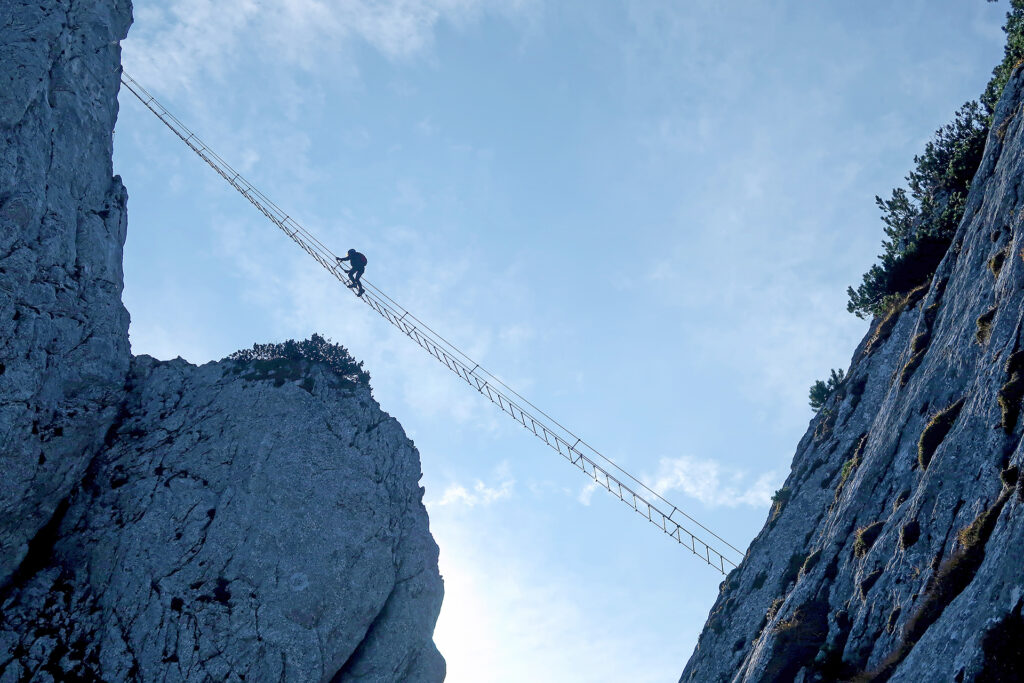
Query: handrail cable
point(570, 446)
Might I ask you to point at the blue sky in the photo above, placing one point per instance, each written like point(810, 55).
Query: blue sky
point(642, 215)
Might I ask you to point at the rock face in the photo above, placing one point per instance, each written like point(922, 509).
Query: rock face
point(63, 329)
point(237, 521)
point(893, 552)
point(236, 530)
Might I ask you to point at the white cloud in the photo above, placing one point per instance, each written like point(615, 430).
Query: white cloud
point(587, 493)
point(712, 484)
point(173, 42)
point(480, 493)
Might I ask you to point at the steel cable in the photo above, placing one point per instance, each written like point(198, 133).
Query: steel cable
point(543, 426)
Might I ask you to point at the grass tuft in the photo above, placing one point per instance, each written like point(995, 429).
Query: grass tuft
point(797, 640)
point(850, 465)
point(1010, 394)
point(936, 430)
point(894, 617)
point(995, 264)
point(866, 537)
point(984, 325)
point(1010, 476)
point(779, 500)
point(810, 562)
point(951, 578)
point(892, 315)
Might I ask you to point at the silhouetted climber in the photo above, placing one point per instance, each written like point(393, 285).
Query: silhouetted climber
point(358, 262)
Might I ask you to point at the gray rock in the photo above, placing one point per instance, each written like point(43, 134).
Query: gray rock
point(870, 574)
point(160, 521)
point(63, 330)
point(237, 530)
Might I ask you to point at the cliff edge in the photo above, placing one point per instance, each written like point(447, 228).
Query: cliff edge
point(255, 519)
point(892, 551)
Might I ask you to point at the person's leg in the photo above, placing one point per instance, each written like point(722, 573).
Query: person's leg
point(357, 275)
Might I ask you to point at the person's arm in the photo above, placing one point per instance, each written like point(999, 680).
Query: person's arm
point(342, 260)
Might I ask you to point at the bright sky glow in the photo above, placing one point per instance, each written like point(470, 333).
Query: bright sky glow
point(643, 215)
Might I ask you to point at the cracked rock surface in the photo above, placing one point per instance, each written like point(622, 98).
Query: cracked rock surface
point(236, 530)
point(161, 521)
point(63, 330)
point(895, 553)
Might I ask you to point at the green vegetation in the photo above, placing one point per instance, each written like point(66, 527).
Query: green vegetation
point(822, 391)
point(917, 349)
point(1010, 476)
point(995, 264)
point(866, 537)
point(826, 423)
point(984, 324)
point(809, 563)
point(1012, 391)
point(920, 220)
point(773, 609)
point(779, 500)
point(848, 467)
point(949, 580)
point(935, 431)
point(977, 532)
point(919, 345)
point(894, 617)
point(797, 641)
point(955, 573)
point(1013, 53)
point(851, 464)
point(891, 314)
point(793, 566)
point(920, 225)
point(286, 362)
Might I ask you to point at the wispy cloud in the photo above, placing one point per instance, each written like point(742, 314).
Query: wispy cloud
point(479, 493)
point(586, 494)
point(177, 40)
point(712, 484)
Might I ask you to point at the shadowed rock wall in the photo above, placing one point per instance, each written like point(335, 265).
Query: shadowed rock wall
point(894, 553)
point(161, 521)
point(63, 330)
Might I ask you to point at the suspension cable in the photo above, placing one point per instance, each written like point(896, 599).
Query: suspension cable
point(644, 500)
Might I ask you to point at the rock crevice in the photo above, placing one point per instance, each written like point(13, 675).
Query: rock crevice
point(904, 488)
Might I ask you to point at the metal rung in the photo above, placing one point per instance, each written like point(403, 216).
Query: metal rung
point(436, 346)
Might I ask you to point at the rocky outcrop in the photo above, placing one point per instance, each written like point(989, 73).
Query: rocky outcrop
point(238, 526)
point(63, 329)
point(248, 520)
point(892, 552)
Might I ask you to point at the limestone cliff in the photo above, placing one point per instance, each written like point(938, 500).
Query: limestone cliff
point(893, 551)
point(254, 519)
point(238, 524)
point(63, 330)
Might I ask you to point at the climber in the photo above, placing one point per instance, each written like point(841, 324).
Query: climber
point(358, 262)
